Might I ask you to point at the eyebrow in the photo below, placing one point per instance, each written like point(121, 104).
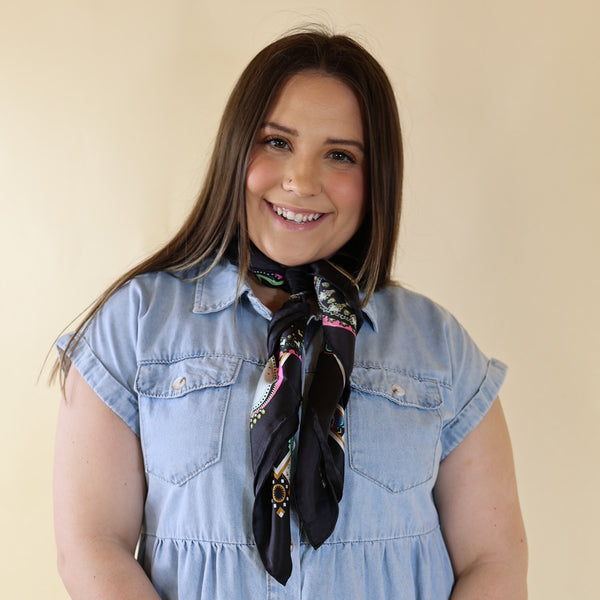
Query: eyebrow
point(295, 133)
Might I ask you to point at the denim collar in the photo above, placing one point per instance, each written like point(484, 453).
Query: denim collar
point(218, 290)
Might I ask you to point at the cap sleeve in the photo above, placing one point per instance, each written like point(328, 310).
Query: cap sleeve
point(476, 381)
point(106, 354)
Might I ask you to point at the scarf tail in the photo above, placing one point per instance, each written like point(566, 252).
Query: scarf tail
point(322, 290)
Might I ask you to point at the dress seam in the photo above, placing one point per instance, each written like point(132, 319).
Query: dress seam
point(303, 543)
point(377, 540)
point(197, 540)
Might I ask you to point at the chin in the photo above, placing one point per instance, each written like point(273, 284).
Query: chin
point(292, 261)
point(290, 258)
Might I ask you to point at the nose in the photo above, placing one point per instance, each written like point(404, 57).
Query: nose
point(302, 178)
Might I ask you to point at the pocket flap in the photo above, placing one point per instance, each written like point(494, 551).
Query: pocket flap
point(179, 377)
point(397, 387)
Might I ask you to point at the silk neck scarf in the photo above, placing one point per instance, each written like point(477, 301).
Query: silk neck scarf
point(323, 292)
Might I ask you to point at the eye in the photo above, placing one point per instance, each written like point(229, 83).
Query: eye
point(340, 156)
point(276, 142)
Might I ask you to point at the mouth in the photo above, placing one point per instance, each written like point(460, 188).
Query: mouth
point(295, 217)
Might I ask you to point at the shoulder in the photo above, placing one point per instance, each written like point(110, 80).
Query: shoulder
point(165, 316)
point(413, 333)
point(395, 306)
point(150, 286)
point(150, 301)
point(152, 292)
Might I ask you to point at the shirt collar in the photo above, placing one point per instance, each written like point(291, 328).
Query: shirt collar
point(218, 290)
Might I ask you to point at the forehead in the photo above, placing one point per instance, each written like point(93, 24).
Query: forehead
point(317, 97)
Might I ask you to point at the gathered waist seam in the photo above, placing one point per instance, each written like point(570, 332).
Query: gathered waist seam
point(194, 539)
point(403, 536)
point(302, 542)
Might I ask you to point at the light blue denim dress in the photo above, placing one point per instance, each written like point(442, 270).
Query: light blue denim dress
point(168, 357)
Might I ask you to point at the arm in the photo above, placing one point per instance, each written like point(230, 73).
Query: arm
point(477, 500)
point(99, 491)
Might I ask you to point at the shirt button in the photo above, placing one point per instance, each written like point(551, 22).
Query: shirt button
point(291, 546)
point(178, 383)
point(398, 390)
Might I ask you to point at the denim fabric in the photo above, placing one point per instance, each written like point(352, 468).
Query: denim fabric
point(167, 356)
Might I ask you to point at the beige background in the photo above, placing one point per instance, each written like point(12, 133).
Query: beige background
point(107, 113)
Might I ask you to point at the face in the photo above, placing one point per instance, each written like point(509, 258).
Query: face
point(305, 183)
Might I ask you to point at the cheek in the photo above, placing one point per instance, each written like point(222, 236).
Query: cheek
point(261, 175)
point(348, 193)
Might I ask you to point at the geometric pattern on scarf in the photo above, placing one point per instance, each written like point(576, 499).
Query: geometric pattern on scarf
point(323, 292)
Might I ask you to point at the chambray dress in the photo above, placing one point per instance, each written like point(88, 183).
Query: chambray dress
point(166, 355)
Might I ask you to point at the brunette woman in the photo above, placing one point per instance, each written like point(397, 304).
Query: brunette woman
point(257, 407)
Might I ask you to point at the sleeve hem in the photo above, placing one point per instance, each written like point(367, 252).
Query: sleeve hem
point(469, 417)
point(118, 398)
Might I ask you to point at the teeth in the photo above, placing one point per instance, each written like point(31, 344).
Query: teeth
point(290, 215)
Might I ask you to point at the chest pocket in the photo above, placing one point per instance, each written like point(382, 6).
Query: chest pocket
point(182, 414)
point(394, 426)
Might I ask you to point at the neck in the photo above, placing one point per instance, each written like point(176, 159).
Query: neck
point(272, 298)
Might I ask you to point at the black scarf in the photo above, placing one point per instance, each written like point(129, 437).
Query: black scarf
point(326, 293)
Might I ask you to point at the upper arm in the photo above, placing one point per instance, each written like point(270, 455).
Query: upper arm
point(476, 496)
point(99, 484)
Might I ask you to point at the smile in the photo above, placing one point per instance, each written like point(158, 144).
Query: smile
point(290, 215)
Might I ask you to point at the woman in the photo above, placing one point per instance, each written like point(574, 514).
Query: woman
point(258, 399)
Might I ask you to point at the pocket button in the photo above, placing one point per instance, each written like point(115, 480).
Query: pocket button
point(398, 390)
point(178, 383)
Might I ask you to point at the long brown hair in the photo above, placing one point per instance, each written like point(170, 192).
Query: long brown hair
point(217, 223)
